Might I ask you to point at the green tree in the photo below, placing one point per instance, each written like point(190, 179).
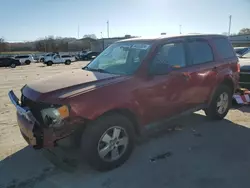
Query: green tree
point(244, 31)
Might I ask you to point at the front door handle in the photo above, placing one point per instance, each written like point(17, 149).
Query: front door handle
point(186, 76)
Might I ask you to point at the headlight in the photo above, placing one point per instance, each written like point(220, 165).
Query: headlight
point(53, 117)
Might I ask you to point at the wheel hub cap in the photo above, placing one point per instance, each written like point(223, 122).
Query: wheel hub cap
point(222, 103)
point(112, 144)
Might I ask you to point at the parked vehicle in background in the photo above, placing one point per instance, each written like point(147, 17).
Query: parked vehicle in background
point(130, 86)
point(42, 57)
point(9, 62)
point(59, 59)
point(244, 60)
point(89, 55)
point(25, 59)
point(240, 51)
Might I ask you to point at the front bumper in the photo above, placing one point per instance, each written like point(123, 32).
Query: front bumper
point(33, 132)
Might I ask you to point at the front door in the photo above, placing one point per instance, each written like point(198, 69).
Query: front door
point(165, 91)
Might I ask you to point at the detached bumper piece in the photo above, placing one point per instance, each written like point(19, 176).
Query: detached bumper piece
point(242, 96)
point(27, 123)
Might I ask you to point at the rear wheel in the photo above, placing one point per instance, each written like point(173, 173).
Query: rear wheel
point(67, 62)
point(108, 142)
point(49, 63)
point(27, 62)
point(220, 104)
point(42, 60)
point(13, 65)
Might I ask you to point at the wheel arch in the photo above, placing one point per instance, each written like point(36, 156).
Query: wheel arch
point(225, 81)
point(128, 114)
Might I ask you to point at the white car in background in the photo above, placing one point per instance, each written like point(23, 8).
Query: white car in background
point(59, 59)
point(25, 59)
point(42, 57)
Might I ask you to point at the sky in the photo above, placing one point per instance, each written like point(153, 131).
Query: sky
point(27, 20)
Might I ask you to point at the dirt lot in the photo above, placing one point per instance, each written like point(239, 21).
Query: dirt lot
point(196, 153)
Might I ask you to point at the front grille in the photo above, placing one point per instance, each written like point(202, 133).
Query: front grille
point(35, 107)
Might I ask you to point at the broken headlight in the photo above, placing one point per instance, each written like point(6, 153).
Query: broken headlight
point(53, 117)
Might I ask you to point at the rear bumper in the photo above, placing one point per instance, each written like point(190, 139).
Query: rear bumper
point(33, 132)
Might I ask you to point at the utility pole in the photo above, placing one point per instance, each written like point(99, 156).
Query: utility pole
point(229, 27)
point(78, 30)
point(180, 29)
point(108, 28)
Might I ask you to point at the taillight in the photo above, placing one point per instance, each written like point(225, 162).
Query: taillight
point(238, 67)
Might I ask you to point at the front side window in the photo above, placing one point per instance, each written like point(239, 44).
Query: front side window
point(200, 52)
point(169, 56)
point(120, 58)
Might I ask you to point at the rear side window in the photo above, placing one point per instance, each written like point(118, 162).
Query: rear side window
point(224, 48)
point(200, 52)
point(66, 56)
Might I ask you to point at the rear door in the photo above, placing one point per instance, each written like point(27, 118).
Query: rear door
point(227, 63)
point(167, 92)
point(202, 68)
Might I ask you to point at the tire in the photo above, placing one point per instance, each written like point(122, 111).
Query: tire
point(67, 62)
point(13, 65)
point(98, 130)
point(27, 62)
point(217, 113)
point(42, 60)
point(49, 63)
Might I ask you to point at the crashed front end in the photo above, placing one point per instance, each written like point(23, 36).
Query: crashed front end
point(43, 125)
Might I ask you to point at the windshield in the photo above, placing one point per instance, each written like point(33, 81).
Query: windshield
point(120, 58)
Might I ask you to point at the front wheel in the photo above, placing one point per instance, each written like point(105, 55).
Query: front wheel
point(220, 104)
point(13, 65)
point(108, 142)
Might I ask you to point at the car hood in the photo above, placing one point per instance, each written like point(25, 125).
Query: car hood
point(59, 87)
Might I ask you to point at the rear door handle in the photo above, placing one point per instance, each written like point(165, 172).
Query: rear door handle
point(214, 69)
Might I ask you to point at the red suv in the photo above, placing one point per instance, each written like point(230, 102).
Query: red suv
point(128, 87)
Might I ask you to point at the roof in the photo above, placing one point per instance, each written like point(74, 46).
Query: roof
point(169, 37)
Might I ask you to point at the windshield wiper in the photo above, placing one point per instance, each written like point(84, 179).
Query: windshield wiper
point(95, 70)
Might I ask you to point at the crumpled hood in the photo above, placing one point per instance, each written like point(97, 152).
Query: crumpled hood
point(67, 84)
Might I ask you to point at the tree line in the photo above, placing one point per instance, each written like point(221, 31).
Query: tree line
point(53, 44)
point(49, 44)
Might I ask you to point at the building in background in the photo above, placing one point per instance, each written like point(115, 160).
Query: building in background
point(99, 45)
point(240, 40)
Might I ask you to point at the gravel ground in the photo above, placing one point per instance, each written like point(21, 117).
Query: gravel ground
point(196, 153)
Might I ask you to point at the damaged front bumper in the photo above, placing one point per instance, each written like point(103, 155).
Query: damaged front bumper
point(34, 132)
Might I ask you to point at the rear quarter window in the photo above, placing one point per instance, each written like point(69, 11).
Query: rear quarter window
point(224, 48)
